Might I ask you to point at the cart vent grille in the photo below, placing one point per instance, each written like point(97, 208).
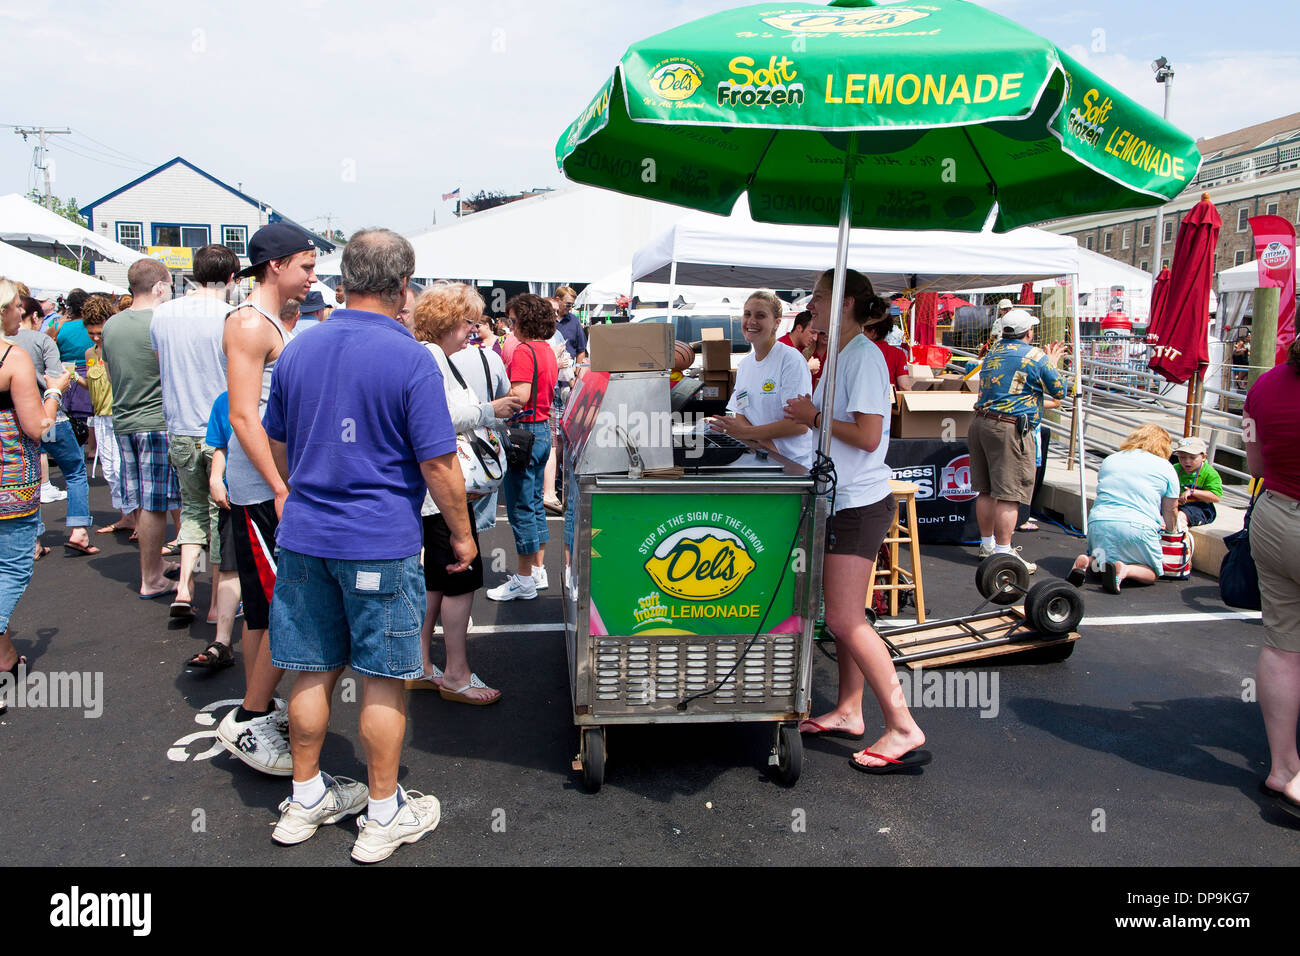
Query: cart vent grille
point(650, 675)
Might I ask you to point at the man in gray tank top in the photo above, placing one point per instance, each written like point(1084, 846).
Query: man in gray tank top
point(282, 263)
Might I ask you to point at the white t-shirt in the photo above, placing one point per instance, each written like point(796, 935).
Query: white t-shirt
point(763, 388)
point(186, 334)
point(861, 385)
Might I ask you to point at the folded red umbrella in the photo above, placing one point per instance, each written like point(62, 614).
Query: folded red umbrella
point(1027, 294)
point(926, 318)
point(1179, 329)
point(1159, 294)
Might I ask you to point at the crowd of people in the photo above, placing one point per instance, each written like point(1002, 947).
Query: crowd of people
point(278, 433)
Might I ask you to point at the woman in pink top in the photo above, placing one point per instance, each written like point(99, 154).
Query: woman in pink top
point(1272, 438)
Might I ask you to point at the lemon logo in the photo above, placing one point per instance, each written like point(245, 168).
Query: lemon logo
point(676, 79)
point(857, 21)
point(769, 386)
point(700, 564)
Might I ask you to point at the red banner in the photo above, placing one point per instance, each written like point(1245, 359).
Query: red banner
point(1275, 250)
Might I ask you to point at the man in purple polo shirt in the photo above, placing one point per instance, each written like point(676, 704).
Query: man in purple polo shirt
point(359, 430)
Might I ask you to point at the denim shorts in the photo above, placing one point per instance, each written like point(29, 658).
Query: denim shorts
point(328, 613)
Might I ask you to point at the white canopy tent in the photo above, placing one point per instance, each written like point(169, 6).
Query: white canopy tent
point(1242, 278)
point(575, 235)
point(606, 290)
point(1098, 275)
point(703, 249)
point(33, 228)
point(44, 276)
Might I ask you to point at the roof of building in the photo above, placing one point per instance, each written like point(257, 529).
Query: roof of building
point(1252, 137)
point(272, 214)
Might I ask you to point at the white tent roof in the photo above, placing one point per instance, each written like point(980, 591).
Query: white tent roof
point(46, 276)
point(607, 289)
point(1242, 278)
point(736, 251)
point(575, 234)
point(33, 228)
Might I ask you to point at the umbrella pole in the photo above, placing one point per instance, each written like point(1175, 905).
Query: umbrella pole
point(837, 302)
point(1077, 417)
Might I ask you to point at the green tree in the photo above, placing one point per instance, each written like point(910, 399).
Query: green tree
point(70, 211)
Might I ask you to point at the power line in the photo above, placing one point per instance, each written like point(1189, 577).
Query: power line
point(64, 147)
point(114, 149)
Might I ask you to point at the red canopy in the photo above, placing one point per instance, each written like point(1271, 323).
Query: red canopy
point(926, 318)
point(1178, 332)
point(948, 302)
point(1027, 294)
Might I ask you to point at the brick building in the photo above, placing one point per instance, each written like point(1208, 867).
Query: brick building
point(1249, 172)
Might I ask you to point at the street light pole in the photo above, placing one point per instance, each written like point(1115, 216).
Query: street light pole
point(1164, 75)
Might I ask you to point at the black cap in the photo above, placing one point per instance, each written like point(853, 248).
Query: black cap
point(313, 303)
point(275, 241)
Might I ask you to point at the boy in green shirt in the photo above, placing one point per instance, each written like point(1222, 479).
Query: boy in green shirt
point(1198, 482)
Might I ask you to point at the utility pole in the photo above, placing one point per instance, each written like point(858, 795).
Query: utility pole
point(1165, 76)
point(44, 164)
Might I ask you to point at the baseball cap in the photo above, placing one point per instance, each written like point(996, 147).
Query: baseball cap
point(1191, 446)
point(313, 303)
point(274, 241)
point(1018, 321)
point(1006, 304)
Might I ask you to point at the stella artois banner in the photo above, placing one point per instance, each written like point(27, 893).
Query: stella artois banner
point(1275, 250)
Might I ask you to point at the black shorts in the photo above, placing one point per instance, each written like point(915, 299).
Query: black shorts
point(254, 533)
point(438, 554)
point(226, 528)
point(861, 531)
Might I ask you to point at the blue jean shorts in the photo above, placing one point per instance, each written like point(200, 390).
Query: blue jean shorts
point(328, 612)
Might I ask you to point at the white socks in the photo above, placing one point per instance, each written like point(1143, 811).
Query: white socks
point(1002, 549)
point(988, 544)
point(309, 792)
point(383, 811)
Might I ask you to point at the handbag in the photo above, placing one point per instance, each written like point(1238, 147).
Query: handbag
point(1176, 550)
point(481, 453)
point(519, 440)
point(80, 431)
point(1238, 577)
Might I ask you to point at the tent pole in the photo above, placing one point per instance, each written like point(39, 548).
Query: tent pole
point(672, 294)
point(1077, 354)
point(827, 382)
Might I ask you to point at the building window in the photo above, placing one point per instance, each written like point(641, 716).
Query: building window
point(1105, 242)
point(1091, 244)
point(1146, 266)
point(236, 239)
point(1123, 239)
point(1169, 230)
point(1270, 209)
point(190, 237)
point(1146, 235)
point(128, 234)
point(1239, 258)
point(1164, 263)
point(1243, 219)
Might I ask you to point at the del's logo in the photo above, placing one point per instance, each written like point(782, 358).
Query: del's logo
point(954, 480)
point(1275, 255)
point(676, 79)
point(700, 564)
point(856, 21)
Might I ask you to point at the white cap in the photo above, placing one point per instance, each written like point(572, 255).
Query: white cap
point(1018, 321)
point(1006, 304)
point(1191, 446)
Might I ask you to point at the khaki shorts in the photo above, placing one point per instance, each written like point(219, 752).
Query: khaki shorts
point(1274, 543)
point(200, 516)
point(1001, 460)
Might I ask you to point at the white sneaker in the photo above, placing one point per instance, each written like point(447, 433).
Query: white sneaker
point(986, 552)
point(50, 493)
point(343, 797)
point(523, 589)
point(417, 815)
point(540, 580)
point(1030, 566)
point(262, 743)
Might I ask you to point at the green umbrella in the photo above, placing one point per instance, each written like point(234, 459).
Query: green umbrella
point(903, 116)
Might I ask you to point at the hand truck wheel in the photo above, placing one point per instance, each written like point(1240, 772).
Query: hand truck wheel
point(1002, 578)
point(1053, 608)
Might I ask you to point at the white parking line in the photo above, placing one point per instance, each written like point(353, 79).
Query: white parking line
point(1169, 618)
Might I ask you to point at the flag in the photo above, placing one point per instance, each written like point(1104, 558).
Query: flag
point(1275, 250)
point(454, 194)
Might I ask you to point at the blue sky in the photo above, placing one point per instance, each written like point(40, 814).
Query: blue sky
point(371, 111)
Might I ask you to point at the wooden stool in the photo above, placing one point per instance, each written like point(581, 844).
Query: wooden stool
point(894, 578)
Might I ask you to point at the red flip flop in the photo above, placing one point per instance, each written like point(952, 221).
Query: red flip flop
point(912, 760)
point(828, 732)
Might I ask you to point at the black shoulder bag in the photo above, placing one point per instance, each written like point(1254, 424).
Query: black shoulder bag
point(519, 440)
point(1238, 577)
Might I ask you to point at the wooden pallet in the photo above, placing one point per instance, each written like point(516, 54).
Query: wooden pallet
point(966, 648)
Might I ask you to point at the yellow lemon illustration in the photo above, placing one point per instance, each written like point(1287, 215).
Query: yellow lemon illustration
point(676, 80)
point(700, 564)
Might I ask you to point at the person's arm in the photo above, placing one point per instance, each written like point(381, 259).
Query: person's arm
point(217, 479)
point(35, 412)
point(1169, 509)
point(446, 484)
point(280, 453)
point(865, 431)
point(246, 353)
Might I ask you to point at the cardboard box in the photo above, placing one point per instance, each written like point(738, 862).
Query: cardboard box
point(717, 353)
point(631, 347)
point(955, 383)
point(716, 377)
point(932, 414)
point(713, 392)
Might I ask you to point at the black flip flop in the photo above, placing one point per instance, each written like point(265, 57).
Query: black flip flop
point(182, 609)
point(223, 658)
point(1287, 804)
point(83, 550)
point(1110, 578)
point(1266, 791)
point(823, 732)
point(910, 761)
point(172, 574)
point(1077, 576)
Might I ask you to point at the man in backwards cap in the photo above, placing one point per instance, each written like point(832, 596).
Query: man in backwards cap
point(282, 262)
point(1013, 381)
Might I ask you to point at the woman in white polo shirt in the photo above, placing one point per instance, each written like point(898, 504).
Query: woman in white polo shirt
point(769, 376)
point(863, 511)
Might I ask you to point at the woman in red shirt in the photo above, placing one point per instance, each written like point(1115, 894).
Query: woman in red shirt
point(532, 360)
point(895, 358)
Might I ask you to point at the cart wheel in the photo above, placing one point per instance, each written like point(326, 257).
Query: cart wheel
point(1054, 607)
point(593, 758)
point(1002, 578)
point(789, 754)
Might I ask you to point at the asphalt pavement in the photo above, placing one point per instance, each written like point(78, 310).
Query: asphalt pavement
point(1143, 748)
